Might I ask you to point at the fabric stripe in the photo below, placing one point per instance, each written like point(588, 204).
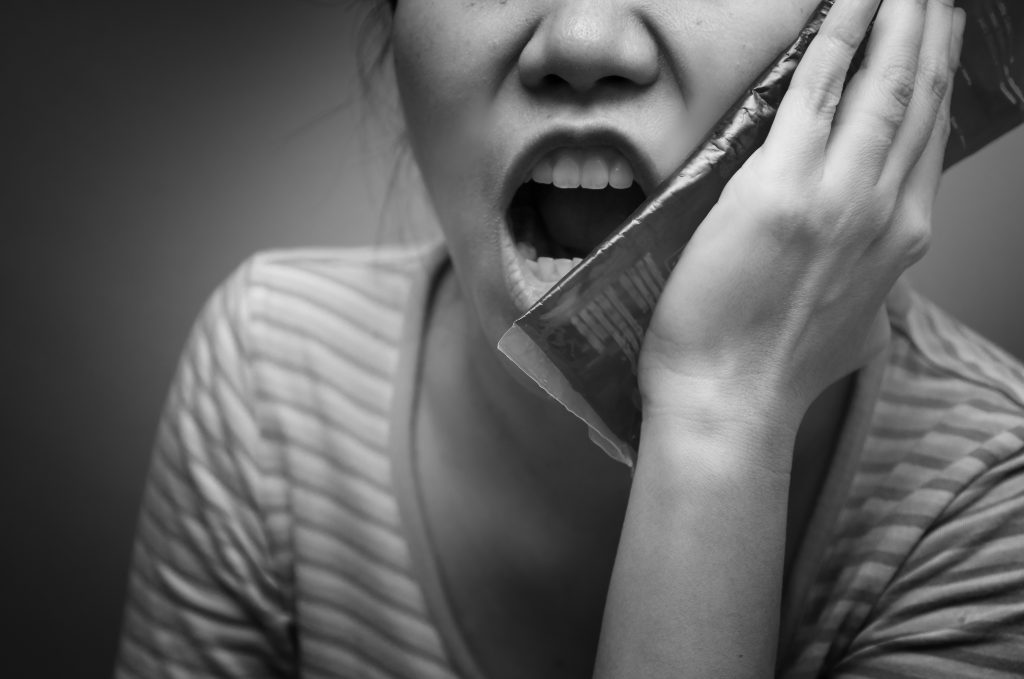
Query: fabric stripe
point(923, 575)
point(271, 541)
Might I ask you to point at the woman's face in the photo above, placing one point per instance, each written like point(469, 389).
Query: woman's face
point(539, 125)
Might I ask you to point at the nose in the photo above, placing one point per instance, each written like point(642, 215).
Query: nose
point(582, 44)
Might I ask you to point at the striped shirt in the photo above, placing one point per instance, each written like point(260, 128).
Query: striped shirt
point(280, 533)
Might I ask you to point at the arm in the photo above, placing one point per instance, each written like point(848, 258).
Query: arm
point(763, 311)
point(203, 600)
point(698, 579)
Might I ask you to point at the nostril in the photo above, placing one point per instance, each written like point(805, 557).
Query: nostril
point(615, 81)
point(552, 81)
point(555, 83)
point(579, 51)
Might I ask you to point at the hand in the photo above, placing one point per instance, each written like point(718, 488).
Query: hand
point(781, 290)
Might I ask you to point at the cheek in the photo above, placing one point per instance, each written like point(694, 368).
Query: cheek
point(446, 80)
point(422, 70)
point(740, 39)
point(442, 80)
point(764, 30)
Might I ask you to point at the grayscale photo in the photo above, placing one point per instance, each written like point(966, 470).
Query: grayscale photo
point(501, 339)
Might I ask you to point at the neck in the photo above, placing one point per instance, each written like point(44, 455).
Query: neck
point(461, 362)
point(524, 511)
point(480, 385)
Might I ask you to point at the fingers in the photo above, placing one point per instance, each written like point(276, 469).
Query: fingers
point(804, 120)
point(879, 96)
point(923, 181)
point(927, 111)
point(913, 234)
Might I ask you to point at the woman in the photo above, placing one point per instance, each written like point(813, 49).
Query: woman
point(351, 481)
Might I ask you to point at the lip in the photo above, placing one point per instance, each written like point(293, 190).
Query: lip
point(578, 138)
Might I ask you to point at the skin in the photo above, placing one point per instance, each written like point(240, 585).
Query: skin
point(743, 372)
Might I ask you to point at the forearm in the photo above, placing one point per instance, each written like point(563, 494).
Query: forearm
point(697, 581)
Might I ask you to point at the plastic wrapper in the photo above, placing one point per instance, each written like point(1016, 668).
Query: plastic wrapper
point(581, 341)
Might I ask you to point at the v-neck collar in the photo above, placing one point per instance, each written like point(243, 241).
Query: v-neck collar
point(405, 476)
point(809, 555)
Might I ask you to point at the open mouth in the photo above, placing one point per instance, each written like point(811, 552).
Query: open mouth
point(571, 202)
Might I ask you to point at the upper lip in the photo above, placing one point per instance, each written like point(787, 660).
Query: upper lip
point(581, 138)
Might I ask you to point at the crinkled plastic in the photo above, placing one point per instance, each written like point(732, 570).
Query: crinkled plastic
point(988, 99)
point(581, 341)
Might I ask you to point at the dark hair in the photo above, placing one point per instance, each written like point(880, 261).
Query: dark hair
point(375, 97)
point(373, 56)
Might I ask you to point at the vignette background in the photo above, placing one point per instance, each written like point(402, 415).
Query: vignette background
point(147, 149)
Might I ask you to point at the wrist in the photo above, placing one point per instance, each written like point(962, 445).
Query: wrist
point(722, 427)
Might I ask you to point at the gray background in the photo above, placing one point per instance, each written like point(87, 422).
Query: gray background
point(148, 148)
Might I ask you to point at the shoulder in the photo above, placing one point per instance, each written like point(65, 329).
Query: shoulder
point(352, 300)
point(281, 282)
point(950, 411)
point(313, 339)
point(947, 393)
point(313, 342)
point(942, 346)
point(272, 459)
point(919, 555)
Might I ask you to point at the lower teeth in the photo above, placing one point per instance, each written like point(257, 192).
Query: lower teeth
point(528, 251)
point(544, 268)
point(549, 269)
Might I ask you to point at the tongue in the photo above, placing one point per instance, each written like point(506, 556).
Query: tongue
point(579, 219)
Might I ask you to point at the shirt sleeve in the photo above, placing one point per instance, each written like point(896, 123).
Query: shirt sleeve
point(956, 606)
point(203, 598)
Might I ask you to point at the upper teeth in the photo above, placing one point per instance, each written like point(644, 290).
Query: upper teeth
point(587, 168)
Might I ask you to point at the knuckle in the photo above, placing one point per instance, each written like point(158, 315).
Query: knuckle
point(898, 81)
point(842, 37)
point(935, 78)
point(788, 214)
point(915, 236)
point(820, 100)
point(916, 246)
